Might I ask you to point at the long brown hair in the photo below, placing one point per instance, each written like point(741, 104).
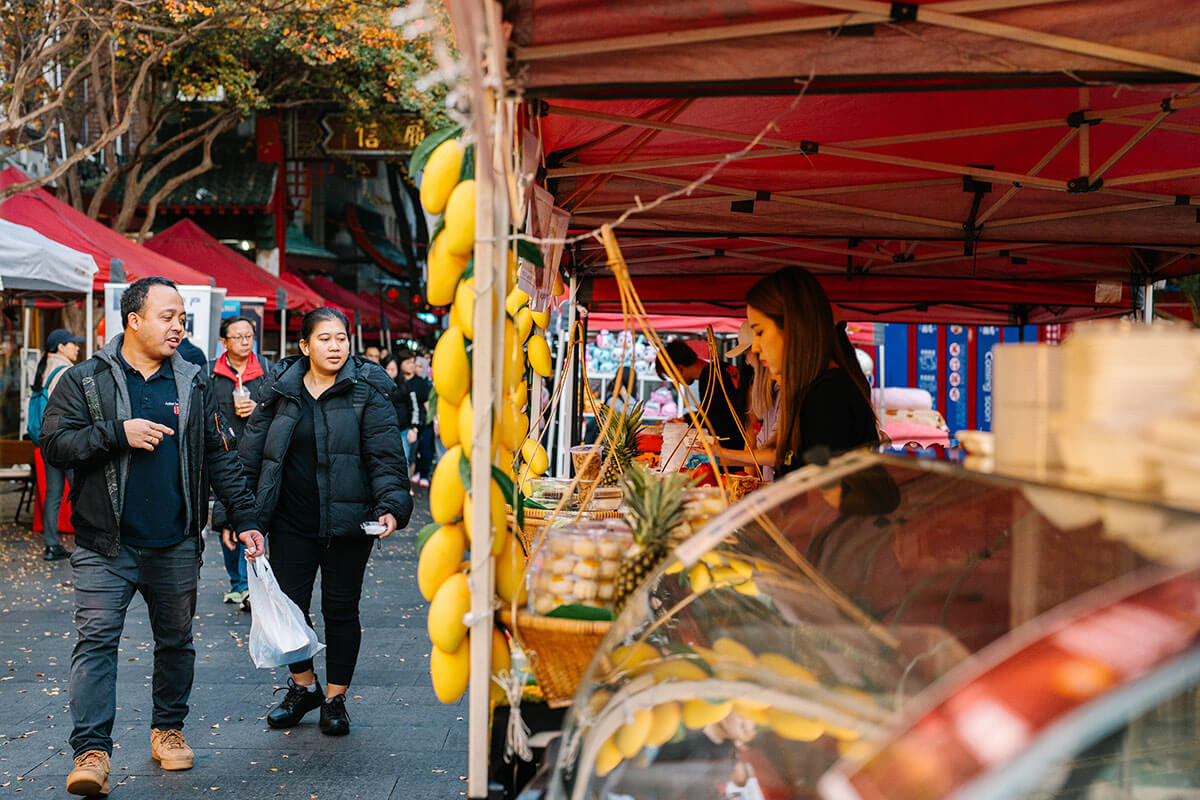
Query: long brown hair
point(797, 303)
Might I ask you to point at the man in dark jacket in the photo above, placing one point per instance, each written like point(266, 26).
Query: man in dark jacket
point(239, 378)
point(138, 425)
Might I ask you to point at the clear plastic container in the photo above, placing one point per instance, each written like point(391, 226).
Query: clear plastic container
point(587, 460)
point(578, 563)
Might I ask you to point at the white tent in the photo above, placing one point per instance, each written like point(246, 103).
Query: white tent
point(30, 262)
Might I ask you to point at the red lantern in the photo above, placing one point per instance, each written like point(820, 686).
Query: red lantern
point(393, 295)
point(417, 301)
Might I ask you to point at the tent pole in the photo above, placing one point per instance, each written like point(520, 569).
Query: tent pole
point(482, 46)
point(1148, 303)
point(745, 30)
point(831, 149)
point(567, 401)
point(88, 311)
point(281, 303)
point(1085, 212)
point(1166, 175)
point(1037, 38)
point(27, 324)
point(991, 210)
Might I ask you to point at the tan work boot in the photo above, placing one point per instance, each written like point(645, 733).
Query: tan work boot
point(90, 775)
point(170, 750)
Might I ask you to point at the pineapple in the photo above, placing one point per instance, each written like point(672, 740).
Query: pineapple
point(620, 440)
point(655, 512)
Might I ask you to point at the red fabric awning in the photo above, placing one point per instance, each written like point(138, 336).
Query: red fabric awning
point(1036, 149)
point(892, 300)
point(665, 322)
point(623, 48)
point(188, 243)
point(368, 307)
point(51, 217)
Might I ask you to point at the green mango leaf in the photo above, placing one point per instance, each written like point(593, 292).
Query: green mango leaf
point(530, 252)
point(424, 534)
point(468, 165)
point(511, 492)
point(505, 483)
point(535, 504)
point(464, 470)
point(469, 272)
point(425, 149)
point(587, 613)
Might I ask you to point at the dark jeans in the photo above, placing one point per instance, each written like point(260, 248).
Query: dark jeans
point(295, 560)
point(56, 480)
point(235, 565)
point(104, 587)
point(425, 463)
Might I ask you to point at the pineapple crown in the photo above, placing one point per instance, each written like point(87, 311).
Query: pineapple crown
point(654, 502)
point(622, 427)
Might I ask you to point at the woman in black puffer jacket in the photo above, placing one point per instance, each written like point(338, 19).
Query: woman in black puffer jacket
point(325, 452)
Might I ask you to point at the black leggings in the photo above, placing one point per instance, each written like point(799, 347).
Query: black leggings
point(295, 560)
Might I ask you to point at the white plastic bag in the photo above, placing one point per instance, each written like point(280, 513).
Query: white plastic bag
point(278, 633)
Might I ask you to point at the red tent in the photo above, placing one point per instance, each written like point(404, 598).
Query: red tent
point(930, 161)
point(666, 322)
point(51, 217)
point(187, 242)
point(367, 308)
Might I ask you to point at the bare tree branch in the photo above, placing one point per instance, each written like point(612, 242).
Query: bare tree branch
point(178, 180)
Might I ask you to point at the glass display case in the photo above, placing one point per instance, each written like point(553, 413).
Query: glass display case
point(884, 627)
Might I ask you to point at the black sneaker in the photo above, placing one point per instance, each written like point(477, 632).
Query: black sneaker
point(295, 704)
point(55, 552)
point(334, 719)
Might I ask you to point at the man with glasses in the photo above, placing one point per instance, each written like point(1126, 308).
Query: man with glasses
point(239, 377)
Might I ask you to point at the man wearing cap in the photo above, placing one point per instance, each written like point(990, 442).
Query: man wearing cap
point(139, 426)
point(721, 397)
point(62, 351)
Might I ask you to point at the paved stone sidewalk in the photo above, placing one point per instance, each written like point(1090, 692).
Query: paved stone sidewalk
point(403, 743)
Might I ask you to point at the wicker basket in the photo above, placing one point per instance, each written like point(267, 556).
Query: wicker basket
point(559, 651)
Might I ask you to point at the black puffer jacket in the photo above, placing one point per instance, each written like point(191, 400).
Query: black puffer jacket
point(361, 471)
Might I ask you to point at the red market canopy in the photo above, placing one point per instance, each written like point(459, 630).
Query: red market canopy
point(628, 48)
point(665, 322)
point(1016, 157)
point(188, 243)
point(368, 307)
point(45, 213)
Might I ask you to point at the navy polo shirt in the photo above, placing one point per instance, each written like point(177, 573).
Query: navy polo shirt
point(154, 514)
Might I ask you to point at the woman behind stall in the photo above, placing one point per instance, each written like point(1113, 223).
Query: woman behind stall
point(238, 366)
point(62, 350)
point(325, 453)
point(824, 397)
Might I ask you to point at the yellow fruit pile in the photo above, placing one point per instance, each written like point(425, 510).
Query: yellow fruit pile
point(440, 572)
point(726, 659)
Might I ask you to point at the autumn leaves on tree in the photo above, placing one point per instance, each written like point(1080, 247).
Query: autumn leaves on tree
point(165, 78)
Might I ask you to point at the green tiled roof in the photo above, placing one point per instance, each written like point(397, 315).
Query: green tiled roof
point(249, 185)
point(300, 245)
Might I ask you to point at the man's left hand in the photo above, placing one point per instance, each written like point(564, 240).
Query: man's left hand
point(253, 539)
point(389, 525)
